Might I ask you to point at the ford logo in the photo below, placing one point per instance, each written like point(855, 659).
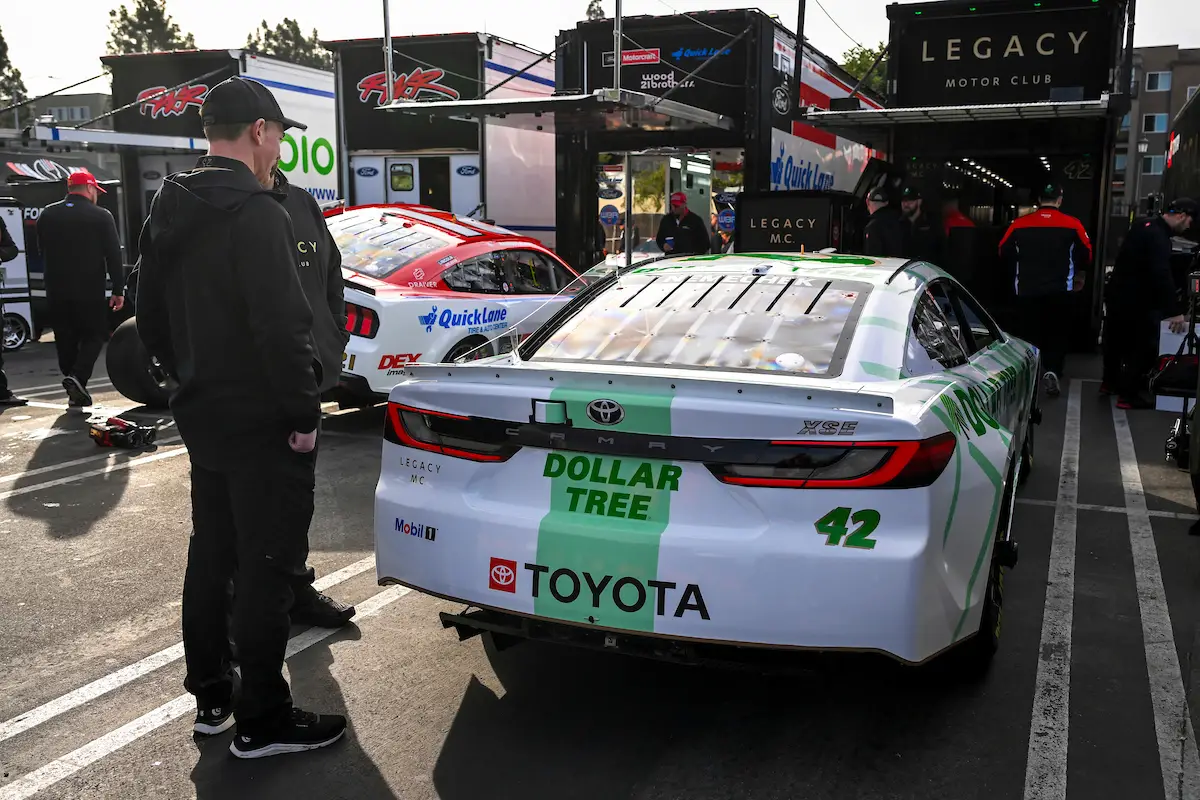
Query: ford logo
point(151, 175)
point(468, 170)
point(605, 412)
point(609, 194)
point(367, 172)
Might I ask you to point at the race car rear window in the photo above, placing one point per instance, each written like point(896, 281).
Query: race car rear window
point(776, 323)
point(379, 244)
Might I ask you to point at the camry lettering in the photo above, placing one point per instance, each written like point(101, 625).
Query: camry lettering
point(983, 48)
point(628, 593)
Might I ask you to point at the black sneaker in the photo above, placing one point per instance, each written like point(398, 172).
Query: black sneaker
point(78, 396)
point(10, 399)
point(214, 715)
point(321, 611)
point(302, 731)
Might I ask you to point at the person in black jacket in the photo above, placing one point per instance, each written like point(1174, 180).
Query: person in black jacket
point(79, 241)
point(1140, 295)
point(1048, 252)
point(8, 252)
point(920, 237)
point(320, 265)
point(220, 304)
point(682, 232)
point(884, 234)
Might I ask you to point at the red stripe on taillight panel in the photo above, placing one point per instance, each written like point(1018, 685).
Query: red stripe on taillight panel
point(911, 464)
point(408, 440)
point(351, 317)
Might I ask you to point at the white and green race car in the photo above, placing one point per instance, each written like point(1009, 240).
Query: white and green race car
point(767, 451)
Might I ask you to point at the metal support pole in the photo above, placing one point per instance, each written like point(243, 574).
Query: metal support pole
point(628, 211)
point(387, 55)
point(617, 40)
point(799, 65)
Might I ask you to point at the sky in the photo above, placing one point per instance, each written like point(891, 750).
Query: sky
point(38, 42)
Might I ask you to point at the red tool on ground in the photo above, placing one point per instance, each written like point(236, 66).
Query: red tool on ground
point(117, 432)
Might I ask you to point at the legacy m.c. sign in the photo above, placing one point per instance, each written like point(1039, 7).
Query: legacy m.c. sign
point(1022, 57)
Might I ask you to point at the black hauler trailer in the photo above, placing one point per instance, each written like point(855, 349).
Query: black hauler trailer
point(1182, 175)
point(989, 100)
point(706, 104)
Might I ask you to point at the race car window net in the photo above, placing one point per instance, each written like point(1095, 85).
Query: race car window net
point(758, 323)
point(781, 464)
point(377, 244)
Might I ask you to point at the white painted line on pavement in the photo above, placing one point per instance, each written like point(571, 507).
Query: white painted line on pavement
point(125, 675)
point(58, 390)
point(1110, 509)
point(116, 467)
point(62, 768)
point(1177, 753)
point(76, 462)
point(1046, 762)
point(59, 386)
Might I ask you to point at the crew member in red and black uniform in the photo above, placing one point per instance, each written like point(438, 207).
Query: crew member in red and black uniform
point(1048, 252)
point(1139, 297)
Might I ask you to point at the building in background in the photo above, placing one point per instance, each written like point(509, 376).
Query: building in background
point(75, 109)
point(1163, 80)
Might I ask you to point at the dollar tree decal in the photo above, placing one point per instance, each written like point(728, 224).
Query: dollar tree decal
point(606, 519)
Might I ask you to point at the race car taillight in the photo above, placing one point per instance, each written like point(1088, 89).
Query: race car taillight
point(361, 321)
point(854, 465)
point(447, 434)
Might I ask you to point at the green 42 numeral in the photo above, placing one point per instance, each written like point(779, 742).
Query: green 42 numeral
point(836, 524)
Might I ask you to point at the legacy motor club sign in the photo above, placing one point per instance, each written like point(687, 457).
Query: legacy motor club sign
point(1023, 57)
point(166, 90)
point(425, 69)
point(781, 221)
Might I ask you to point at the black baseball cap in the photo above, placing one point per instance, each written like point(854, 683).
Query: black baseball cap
point(878, 196)
point(240, 100)
point(1050, 191)
point(912, 193)
point(1184, 205)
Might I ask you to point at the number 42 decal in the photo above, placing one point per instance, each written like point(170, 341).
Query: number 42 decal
point(834, 526)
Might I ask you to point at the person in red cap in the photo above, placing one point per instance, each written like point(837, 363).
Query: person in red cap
point(682, 232)
point(79, 244)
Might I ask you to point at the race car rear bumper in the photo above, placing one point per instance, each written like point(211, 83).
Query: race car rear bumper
point(506, 630)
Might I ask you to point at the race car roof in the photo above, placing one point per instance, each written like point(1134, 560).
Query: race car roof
point(458, 227)
point(847, 266)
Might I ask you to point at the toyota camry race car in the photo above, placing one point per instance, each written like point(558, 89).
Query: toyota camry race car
point(426, 285)
point(769, 451)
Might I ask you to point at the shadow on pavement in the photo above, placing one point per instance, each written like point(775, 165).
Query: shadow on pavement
point(595, 725)
point(72, 509)
point(342, 770)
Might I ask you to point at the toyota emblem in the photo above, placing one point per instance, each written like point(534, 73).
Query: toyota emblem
point(605, 412)
point(503, 574)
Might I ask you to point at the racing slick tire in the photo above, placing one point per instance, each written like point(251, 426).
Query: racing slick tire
point(471, 343)
point(1035, 418)
point(129, 367)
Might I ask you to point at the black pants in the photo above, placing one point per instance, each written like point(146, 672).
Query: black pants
point(80, 331)
point(1043, 321)
point(250, 523)
point(1130, 349)
point(4, 390)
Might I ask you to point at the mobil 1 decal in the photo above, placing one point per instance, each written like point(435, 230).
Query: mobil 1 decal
point(598, 546)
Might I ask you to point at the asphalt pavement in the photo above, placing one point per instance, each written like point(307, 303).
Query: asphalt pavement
point(1092, 696)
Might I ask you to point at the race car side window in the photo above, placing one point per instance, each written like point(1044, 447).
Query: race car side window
point(932, 331)
point(977, 324)
point(482, 275)
point(528, 272)
point(938, 290)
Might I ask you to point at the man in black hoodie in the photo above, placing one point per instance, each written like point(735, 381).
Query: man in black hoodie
point(221, 306)
point(320, 265)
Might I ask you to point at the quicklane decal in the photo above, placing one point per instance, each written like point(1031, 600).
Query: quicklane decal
point(606, 519)
point(478, 320)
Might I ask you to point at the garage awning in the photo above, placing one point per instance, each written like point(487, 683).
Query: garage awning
point(602, 110)
point(883, 117)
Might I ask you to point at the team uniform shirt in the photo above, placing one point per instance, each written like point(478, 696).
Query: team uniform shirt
point(1050, 251)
